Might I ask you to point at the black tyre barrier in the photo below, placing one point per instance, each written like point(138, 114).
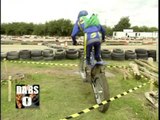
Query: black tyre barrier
point(81, 51)
point(48, 58)
point(47, 52)
point(71, 51)
point(105, 51)
point(130, 55)
point(106, 54)
point(118, 56)
point(3, 55)
point(24, 57)
point(15, 57)
point(36, 53)
point(129, 52)
point(152, 53)
point(142, 56)
point(141, 51)
point(12, 55)
point(37, 58)
point(60, 54)
point(118, 51)
point(48, 55)
point(60, 51)
point(72, 56)
point(24, 54)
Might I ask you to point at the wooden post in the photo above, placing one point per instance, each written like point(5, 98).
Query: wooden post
point(5, 66)
point(157, 50)
point(146, 65)
point(149, 73)
point(151, 85)
point(149, 62)
point(9, 88)
point(9, 81)
point(135, 68)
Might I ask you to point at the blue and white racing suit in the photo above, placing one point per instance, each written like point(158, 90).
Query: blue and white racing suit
point(93, 36)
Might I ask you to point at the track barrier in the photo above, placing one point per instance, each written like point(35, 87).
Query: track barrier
point(104, 102)
point(58, 64)
point(96, 105)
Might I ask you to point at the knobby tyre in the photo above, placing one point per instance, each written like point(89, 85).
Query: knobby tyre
point(101, 90)
point(82, 66)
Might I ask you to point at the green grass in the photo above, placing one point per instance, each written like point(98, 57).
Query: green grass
point(62, 93)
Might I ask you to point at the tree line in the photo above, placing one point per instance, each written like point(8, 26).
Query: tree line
point(63, 27)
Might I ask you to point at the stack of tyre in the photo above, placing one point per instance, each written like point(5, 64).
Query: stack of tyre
point(106, 54)
point(141, 53)
point(72, 54)
point(24, 54)
point(130, 55)
point(60, 54)
point(152, 53)
point(118, 54)
point(3, 55)
point(12, 55)
point(81, 52)
point(48, 54)
point(36, 55)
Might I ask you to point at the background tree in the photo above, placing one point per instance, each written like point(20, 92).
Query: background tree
point(3, 28)
point(63, 27)
point(135, 28)
point(109, 31)
point(39, 29)
point(143, 29)
point(153, 29)
point(122, 24)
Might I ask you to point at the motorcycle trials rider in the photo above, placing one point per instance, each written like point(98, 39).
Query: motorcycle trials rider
point(93, 36)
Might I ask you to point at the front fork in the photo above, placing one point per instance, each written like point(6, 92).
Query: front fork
point(98, 69)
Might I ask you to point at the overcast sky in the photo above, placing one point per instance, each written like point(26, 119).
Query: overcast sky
point(140, 12)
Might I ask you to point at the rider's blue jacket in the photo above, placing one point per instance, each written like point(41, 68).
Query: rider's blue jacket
point(93, 33)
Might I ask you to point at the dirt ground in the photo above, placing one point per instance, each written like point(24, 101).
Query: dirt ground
point(124, 47)
point(6, 48)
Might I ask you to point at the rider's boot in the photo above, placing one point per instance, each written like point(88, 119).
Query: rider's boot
point(98, 59)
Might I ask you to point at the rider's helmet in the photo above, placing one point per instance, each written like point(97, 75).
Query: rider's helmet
point(82, 13)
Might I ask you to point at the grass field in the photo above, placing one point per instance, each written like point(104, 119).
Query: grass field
point(62, 93)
